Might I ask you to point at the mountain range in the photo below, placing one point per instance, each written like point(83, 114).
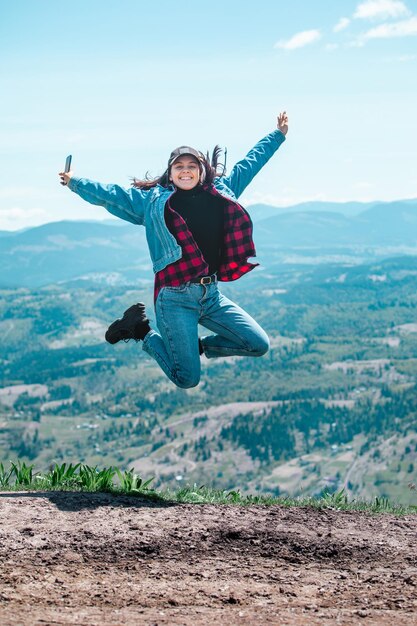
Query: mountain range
point(68, 250)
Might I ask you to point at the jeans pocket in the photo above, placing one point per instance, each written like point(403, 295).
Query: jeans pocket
point(177, 288)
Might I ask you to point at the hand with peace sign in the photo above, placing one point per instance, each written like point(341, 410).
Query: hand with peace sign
point(283, 122)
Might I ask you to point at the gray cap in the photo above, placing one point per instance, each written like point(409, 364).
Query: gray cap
point(181, 151)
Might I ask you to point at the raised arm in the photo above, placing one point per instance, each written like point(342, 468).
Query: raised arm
point(245, 170)
point(128, 204)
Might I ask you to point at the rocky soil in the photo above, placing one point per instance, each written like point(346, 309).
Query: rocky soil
point(97, 559)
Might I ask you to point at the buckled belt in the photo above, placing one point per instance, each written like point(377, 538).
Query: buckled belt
point(205, 280)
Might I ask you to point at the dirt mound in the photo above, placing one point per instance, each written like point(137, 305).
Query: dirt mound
point(98, 559)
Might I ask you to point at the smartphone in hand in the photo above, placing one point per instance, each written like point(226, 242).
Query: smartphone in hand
point(68, 163)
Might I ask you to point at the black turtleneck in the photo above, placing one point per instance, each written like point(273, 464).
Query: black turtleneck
point(204, 214)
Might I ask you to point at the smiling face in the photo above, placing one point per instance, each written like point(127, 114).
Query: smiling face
point(185, 172)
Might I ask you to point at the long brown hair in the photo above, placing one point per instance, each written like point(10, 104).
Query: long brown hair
point(209, 170)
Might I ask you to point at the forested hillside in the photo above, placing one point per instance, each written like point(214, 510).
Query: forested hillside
point(333, 404)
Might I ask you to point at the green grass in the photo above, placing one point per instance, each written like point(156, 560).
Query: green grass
point(83, 478)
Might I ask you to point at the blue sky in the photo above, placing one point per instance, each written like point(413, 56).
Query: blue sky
point(120, 84)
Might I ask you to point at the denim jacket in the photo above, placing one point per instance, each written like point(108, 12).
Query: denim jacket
point(146, 207)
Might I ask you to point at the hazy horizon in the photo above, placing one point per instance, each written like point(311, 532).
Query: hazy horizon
point(109, 218)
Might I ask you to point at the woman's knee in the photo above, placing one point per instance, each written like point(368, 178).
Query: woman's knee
point(186, 380)
point(260, 345)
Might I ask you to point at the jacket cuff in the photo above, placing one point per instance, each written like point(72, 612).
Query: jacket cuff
point(73, 183)
point(279, 135)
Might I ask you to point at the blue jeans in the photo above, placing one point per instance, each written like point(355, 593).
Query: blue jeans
point(179, 310)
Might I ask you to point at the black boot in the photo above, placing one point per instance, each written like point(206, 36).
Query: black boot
point(133, 325)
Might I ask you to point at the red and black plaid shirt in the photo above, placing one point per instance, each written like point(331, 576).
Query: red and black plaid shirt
point(238, 246)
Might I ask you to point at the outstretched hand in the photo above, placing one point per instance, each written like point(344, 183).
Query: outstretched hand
point(65, 177)
point(283, 122)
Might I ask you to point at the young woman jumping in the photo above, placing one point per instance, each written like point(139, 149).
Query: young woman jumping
point(198, 235)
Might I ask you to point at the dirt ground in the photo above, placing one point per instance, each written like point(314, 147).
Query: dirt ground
point(98, 559)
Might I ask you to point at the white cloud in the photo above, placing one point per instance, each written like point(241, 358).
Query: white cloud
point(341, 24)
point(19, 213)
point(299, 40)
point(15, 218)
point(331, 46)
point(404, 28)
point(381, 9)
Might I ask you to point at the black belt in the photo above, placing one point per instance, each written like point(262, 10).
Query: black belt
point(205, 280)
